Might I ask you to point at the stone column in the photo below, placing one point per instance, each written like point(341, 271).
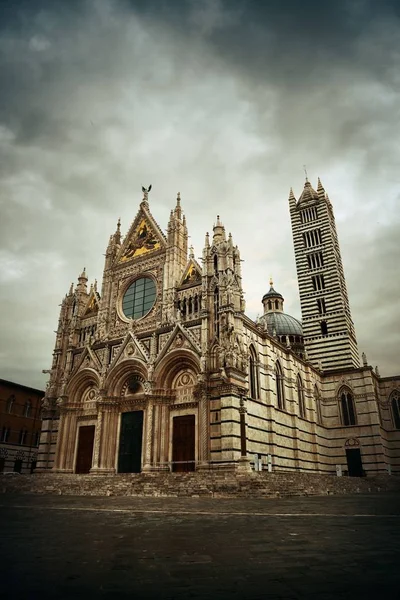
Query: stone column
point(244, 461)
point(204, 427)
point(60, 443)
point(66, 449)
point(149, 435)
point(97, 442)
point(164, 433)
point(108, 440)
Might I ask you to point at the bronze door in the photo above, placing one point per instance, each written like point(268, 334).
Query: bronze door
point(130, 442)
point(183, 443)
point(85, 449)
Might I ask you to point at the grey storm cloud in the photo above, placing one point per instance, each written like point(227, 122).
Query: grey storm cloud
point(224, 101)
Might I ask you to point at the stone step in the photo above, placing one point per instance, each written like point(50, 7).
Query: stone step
point(204, 483)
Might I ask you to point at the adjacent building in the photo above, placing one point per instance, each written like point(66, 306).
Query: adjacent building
point(163, 370)
point(20, 426)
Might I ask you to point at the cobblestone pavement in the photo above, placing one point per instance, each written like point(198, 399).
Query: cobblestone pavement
point(315, 548)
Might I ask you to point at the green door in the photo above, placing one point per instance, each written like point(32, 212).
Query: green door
point(130, 442)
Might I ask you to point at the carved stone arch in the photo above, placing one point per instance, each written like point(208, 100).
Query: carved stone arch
point(174, 362)
point(352, 442)
point(81, 383)
point(118, 377)
point(134, 384)
point(342, 384)
point(214, 355)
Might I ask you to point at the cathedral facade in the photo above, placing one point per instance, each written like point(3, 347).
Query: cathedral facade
point(163, 370)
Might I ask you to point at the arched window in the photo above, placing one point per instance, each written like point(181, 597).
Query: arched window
point(216, 311)
point(253, 374)
point(280, 390)
point(395, 404)
point(269, 305)
point(347, 406)
point(300, 396)
point(27, 408)
point(276, 305)
point(10, 404)
point(215, 264)
point(317, 399)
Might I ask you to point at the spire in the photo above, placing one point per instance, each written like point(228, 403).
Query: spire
point(191, 251)
point(82, 282)
point(207, 240)
point(219, 231)
point(71, 290)
point(308, 193)
point(320, 189)
point(291, 195)
point(117, 234)
point(95, 285)
point(178, 209)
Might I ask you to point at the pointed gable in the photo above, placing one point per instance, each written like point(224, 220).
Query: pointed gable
point(92, 305)
point(131, 347)
point(143, 237)
point(192, 274)
point(179, 338)
point(88, 360)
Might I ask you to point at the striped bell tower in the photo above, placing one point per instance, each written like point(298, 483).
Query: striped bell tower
point(329, 334)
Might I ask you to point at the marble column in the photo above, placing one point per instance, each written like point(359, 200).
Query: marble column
point(149, 437)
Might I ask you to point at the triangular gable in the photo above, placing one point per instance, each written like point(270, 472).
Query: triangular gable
point(88, 359)
point(92, 305)
point(131, 347)
point(143, 237)
point(179, 338)
point(192, 273)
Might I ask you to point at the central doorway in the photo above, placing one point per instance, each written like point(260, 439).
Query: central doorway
point(130, 442)
point(85, 449)
point(183, 443)
point(354, 462)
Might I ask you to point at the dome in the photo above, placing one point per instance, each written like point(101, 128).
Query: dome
point(272, 294)
point(282, 324)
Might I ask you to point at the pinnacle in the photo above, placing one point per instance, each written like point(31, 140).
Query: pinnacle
point(291, 195)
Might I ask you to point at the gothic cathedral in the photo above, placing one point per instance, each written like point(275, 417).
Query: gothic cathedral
point(163, 370)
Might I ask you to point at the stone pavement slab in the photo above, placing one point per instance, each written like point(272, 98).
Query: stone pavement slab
point(317, 548)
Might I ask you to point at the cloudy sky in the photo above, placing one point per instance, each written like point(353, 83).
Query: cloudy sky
point(224, 101)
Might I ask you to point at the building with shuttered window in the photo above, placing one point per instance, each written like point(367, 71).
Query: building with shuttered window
point(20, 427)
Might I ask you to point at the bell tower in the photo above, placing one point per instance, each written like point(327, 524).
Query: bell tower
point(329, 334)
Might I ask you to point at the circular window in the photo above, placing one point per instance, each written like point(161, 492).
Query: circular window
point(139, 298)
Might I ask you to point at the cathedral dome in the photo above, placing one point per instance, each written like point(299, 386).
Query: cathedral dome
point(272, 294)
point(282, 324)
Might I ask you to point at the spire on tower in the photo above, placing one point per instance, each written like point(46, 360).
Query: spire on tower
point(320, 189)
point(178, 209)
point(117, 234)
point(219, 231)
point(291, 195)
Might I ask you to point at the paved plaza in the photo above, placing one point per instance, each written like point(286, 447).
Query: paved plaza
point(185, 548)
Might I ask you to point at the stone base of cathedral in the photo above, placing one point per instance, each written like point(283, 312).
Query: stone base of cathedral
point(215, 484)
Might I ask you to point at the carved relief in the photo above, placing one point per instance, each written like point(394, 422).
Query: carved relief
point(143, 240)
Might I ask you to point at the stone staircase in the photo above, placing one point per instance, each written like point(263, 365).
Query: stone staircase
point(197, 484)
